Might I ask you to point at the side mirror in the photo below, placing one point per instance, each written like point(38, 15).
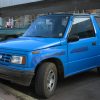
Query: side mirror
point(73, 38)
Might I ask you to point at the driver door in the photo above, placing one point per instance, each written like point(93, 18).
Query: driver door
point(81, 53)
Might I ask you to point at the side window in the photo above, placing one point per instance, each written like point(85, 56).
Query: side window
point(98, 20)
point(82, 27)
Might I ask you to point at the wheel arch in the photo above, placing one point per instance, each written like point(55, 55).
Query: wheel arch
point(58, 63)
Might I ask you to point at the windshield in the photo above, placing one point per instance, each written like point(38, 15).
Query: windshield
point(47, 26)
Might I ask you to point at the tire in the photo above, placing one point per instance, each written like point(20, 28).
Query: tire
point(43, 87)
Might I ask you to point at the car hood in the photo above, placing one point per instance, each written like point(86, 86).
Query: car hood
point(29, 44)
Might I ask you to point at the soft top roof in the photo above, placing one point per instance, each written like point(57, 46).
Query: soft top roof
point(73, 14)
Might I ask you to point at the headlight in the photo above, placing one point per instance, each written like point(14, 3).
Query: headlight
point(18, 60)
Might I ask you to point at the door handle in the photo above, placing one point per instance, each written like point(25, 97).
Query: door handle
point(93, 43)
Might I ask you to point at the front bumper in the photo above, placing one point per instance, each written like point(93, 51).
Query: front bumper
point(16, 76)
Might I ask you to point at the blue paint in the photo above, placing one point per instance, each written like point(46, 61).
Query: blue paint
point(75, 57)
point(82, 49)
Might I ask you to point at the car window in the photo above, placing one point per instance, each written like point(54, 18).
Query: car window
point(98, 20)
point(82, 27)
point(48, 27)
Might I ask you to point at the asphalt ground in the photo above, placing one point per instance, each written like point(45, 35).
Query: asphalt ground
point(84, 86)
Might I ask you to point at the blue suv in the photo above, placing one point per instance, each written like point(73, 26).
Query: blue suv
point(53, 47)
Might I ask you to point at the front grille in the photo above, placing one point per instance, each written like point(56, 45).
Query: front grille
point(5, 57)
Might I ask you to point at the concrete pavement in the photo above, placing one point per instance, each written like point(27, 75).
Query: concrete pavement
point(8, 93)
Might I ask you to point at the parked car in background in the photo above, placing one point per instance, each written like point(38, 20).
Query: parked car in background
point(53, 47)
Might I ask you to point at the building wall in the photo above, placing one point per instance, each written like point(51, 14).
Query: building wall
point(45, 6)
point(6, 3)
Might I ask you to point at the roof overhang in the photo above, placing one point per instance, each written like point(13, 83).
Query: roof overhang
point(51, 6)
point(8, 3)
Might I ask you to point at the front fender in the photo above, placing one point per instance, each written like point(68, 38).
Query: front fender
point(54, 52)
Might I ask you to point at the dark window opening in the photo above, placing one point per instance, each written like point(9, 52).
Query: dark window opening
point(82, 27)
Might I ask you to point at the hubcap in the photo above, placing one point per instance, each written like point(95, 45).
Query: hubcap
point(51, 80)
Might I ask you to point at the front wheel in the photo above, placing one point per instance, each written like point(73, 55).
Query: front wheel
point(46, 79)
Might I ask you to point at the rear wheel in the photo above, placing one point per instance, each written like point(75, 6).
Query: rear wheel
point(46, 80)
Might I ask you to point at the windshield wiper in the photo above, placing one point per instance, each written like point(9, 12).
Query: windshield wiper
point(40, 36)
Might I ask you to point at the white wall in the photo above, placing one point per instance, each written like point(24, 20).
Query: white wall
point(6, 3)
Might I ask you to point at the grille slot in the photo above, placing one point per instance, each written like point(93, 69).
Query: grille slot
point(5, 58)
